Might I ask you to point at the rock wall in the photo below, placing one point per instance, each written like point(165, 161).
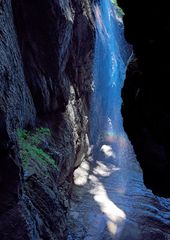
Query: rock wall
point(146, 108)
point(46, 51)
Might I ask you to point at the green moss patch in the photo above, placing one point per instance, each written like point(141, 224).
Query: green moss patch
point(30, 147)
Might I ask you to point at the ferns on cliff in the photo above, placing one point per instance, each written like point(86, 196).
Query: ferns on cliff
point(30, 146)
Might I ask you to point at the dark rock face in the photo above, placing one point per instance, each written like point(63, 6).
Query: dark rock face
point(16, 107)
point(146, 92)
point(46, 52)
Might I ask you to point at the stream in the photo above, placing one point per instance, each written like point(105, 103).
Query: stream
point(109, 199)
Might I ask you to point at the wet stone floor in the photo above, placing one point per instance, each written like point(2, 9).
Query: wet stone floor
point(110, 201)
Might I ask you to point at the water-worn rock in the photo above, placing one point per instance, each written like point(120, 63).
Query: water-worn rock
point(46, 52)
point(110, 200)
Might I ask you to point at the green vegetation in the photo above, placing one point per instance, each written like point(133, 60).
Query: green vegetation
point(119, 10)
point(30, 146)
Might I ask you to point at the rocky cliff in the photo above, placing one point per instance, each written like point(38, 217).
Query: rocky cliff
point(46, 50)
point(146, 92)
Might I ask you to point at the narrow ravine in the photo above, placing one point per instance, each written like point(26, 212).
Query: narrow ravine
point(110, 200)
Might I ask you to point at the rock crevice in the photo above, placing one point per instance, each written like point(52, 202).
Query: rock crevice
point(146, 92)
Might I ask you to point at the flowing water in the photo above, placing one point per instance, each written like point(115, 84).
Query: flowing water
point(109, 198)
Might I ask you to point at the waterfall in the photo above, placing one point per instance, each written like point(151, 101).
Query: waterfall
point(110, 61)
point(114, 202)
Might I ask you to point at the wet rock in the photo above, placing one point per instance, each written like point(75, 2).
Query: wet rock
point(113, 202)
point(46, 50)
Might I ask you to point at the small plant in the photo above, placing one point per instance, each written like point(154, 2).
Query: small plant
point(29, 145)
point(119, 10)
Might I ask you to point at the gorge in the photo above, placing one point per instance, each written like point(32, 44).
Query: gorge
point(67, 168)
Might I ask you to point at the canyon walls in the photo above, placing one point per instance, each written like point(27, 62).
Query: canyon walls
point(145, 95)
point(46, 61)
point(46, 51)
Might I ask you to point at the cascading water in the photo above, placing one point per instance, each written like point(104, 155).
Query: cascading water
point(111, 57)
point(111, 201)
